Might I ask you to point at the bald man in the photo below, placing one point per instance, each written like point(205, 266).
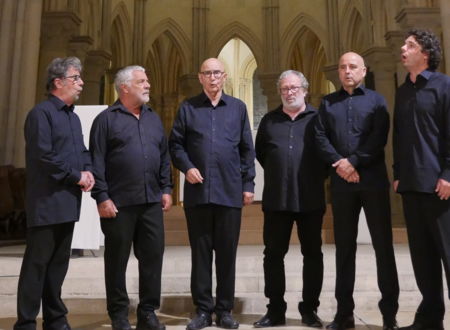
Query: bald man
point(351, 133)
point(211, 143)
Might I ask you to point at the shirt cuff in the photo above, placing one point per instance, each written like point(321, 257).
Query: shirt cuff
point(101, 197)
point(353, 159)
point(248, 187)
point(445, 175)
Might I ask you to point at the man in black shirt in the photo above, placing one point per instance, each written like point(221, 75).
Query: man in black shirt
point(133, 185)
point(351, 133)
point(211, 143)
point(58, 170)
point(293, 192)
point(422, 170)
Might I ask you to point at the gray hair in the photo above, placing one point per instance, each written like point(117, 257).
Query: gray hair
point(58, 69)
point(125, 75)
point(304, 83)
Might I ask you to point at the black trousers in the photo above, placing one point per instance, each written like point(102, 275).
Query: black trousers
point(142, 226)
point(213, 228)
point(428, 224)
point(277, 233)
point(44, 268)
point(346, 208)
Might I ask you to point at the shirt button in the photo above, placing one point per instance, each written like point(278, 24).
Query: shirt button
point(290, 147)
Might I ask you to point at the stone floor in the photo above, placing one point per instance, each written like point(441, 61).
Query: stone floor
point(83, 290)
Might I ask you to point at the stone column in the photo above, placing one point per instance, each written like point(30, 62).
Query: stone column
point(445, 18)
point(95, 67)
point(334, 43)
point(269, 87)
point(200, 21)
point(189, 85)
point(395, 40)
point(19, 46)
point(138, 32)
point(331, 73)
point(420, 17)
point(58, 28)
point(270, 68)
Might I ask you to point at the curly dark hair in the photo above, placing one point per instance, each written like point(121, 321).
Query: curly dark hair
point(430, 45)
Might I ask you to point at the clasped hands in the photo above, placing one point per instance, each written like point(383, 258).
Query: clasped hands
point(346, 170)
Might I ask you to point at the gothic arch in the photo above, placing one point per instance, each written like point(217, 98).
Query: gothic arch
point(120, 36)
point(297, 28)
point(352, 29)
point(236, 30)
point(175, 33)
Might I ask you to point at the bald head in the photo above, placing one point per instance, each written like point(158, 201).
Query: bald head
point(212, 77)
point(352, 71)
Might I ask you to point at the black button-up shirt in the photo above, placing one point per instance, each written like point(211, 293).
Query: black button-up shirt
point(354, 127)
point(55, 157)
point(421, 138)
point(218, 142)
point(130, 157)
point(293, 172)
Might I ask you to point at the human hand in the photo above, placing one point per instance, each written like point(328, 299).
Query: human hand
point(443, 189)
point(87, 181)
point(247, 197)
point(193, 176)
point(166, 202)
point(107, 209)
point(395, 185)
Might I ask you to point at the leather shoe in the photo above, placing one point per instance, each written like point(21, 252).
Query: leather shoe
point(270, 320)
point(120, 324)
point(311, 319)
point(342, 323)
point(390, 325)
point(149, 321)
point(200, 321)
point(226, 321)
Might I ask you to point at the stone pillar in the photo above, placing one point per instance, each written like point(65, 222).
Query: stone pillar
point(331, 73)
point(269, 87)
point(200, 10)
point(379, 59)
point(190, 85)
point(445, 18)
point(58, 28)
point(138, 32)
point(95, 66)
point(395, 40)
point(334, 43)
point(270, 68)
point(19, 49)
point(420, 17)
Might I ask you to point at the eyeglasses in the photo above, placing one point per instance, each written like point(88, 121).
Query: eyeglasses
point(76, 78)
point(215, 73)
point(293, 89)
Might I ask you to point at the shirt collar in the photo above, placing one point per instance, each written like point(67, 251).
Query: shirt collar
point(118, 106)
point(425, 74)
point(205, 99)
point(360, 90)
point(59, 104)
point(309, 109)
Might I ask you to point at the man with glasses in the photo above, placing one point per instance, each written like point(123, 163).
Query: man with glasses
point(58, 170)
point(211, 143)
point(351, 133)
point(293, 192)
point(422, 170)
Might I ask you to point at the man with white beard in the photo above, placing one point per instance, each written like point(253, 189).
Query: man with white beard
point(293, 192)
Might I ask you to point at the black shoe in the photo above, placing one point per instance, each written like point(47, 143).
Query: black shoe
point(226, 321)
point(270, 320)
point(390, 324)
point(120, 324)
point(342, 323)
point(421, 326)
point(149, 321)
point(311, 320)
point(200, 321)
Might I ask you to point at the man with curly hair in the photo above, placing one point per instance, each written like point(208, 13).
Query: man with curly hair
point(422, 170)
